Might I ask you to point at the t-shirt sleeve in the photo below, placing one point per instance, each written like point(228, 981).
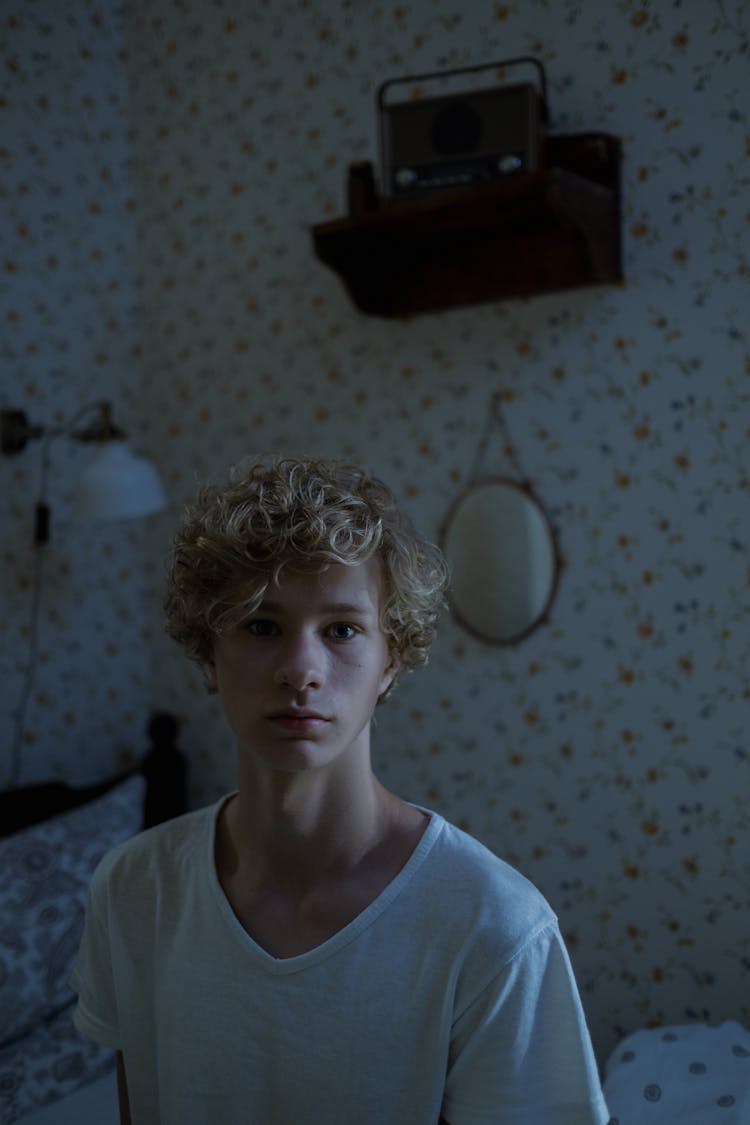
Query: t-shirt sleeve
point(92, 978)
point(520, 1049)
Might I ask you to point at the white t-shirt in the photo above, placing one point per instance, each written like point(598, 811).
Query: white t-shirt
point(451, 993)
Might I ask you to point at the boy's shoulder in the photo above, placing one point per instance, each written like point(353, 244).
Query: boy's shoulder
point(462, 856)
point(159, 852)
point(497, 897)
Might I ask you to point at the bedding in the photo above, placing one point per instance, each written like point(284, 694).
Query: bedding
point(693, 1074)
point(92, 1104)
point(45, 1072)
point(44, 877)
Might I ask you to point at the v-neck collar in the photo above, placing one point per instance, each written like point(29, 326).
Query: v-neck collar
point(285, 965)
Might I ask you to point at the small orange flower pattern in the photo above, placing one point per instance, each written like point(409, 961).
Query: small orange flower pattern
point(161, 166)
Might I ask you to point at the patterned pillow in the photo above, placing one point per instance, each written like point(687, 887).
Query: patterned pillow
point(44, 877)
point(687, 1075)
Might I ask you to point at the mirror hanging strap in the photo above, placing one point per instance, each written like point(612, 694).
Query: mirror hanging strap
point(496, 421)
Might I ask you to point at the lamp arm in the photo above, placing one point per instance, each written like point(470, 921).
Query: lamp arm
point(16, 431)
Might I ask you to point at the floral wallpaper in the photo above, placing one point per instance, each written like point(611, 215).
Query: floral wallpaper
point(67, 338)
point(161, 166)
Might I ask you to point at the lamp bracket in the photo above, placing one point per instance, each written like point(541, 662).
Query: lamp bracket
point(16, 431)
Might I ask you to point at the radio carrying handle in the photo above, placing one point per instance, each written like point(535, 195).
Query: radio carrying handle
point(518, 61)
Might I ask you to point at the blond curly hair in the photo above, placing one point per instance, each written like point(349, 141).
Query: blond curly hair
point(237, 537)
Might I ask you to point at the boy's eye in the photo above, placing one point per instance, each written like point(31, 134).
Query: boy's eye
point(341, 631)
point(260, 628)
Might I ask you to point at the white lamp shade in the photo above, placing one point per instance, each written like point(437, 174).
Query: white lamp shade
point(118, 485)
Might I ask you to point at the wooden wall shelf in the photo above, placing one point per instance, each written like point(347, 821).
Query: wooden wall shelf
point(555, 229)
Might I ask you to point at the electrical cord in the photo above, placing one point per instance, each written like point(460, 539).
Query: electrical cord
point(41, 536)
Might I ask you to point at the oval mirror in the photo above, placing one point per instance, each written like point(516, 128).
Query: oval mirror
point(502, 554)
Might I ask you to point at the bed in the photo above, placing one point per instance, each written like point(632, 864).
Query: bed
point(51, 838)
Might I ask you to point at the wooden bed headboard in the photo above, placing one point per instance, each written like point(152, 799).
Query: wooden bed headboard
point(163, 765)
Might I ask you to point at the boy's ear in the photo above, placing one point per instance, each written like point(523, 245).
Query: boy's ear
point(209, 673)
point(390, 674)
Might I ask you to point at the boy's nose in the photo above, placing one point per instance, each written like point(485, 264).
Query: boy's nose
point(300, 665)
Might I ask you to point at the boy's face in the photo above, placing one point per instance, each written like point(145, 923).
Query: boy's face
point(300, 679)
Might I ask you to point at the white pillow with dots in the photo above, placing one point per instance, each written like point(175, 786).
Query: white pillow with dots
point(691, 1074)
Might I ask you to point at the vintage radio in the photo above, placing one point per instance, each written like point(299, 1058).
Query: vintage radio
point(460, 139)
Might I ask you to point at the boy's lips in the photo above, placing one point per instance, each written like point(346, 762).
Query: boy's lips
point(298, 719)
point(297, 713)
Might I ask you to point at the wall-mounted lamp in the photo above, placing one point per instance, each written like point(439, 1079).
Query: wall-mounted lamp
point(116, 484)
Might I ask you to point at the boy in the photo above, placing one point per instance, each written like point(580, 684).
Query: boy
point(313, 950)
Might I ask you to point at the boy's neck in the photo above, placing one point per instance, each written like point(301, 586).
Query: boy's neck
point(293, 831)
